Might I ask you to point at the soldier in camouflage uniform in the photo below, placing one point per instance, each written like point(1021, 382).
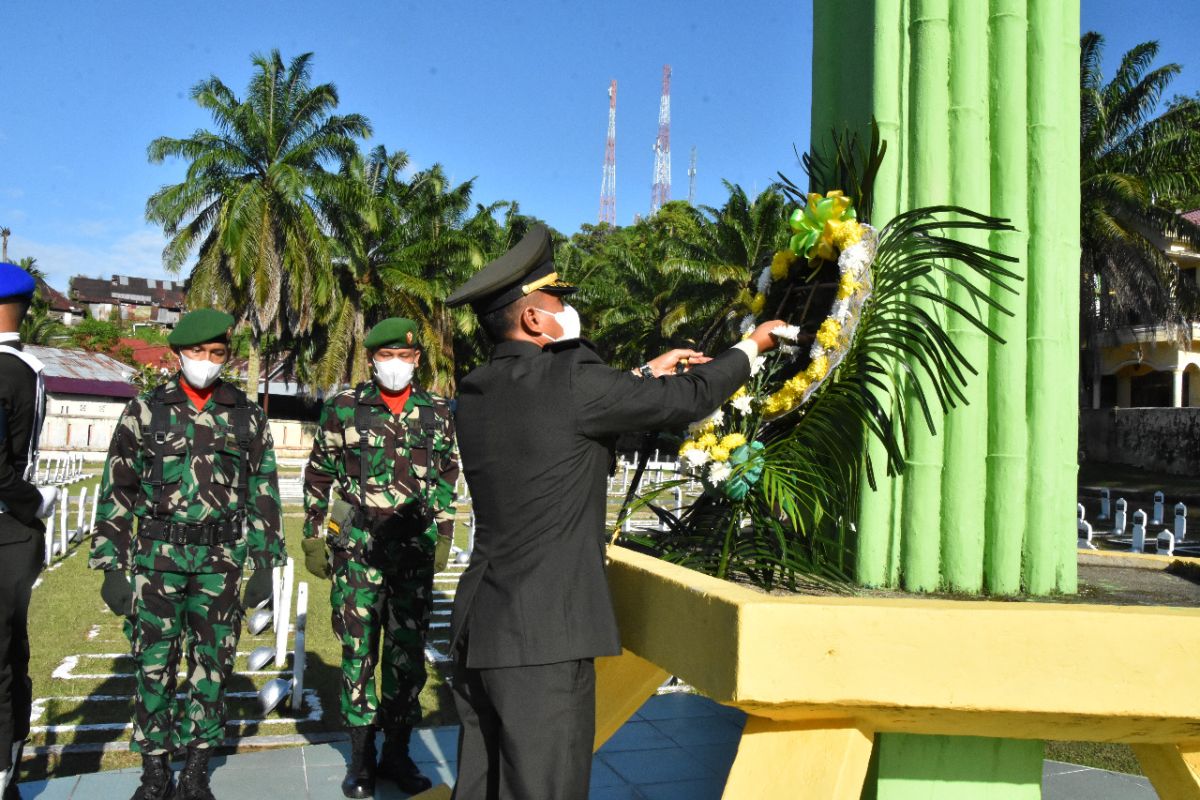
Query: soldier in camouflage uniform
point(379, 492)
point(189, 495)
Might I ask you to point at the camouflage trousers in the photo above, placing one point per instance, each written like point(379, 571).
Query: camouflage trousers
point(176, 615)
point(371, 607)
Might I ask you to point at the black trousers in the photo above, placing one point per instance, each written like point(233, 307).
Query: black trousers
point(20, 563)
point(527, 732)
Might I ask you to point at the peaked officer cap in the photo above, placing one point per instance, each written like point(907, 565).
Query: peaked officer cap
point(526, 268)
point(393, 332)
point(200, 326)
point(15, 283)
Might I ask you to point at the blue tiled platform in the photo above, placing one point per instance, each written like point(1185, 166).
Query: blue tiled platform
point(677, 747)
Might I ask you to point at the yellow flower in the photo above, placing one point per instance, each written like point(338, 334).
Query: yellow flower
point(687, 445)
point(847, 286)
point(732, 441)
point(817, 368)
point(758, 303)
point(798, 384)
point(846, 233)
point(706, 441)
point(827, 334)
point(773, 406)
point(741, 391)
point(719, 453)
point(781, 263)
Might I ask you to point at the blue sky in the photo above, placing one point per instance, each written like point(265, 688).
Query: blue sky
point(513, 94)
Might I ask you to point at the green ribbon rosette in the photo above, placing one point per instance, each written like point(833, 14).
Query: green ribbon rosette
point(738, 486)
point(816, 223)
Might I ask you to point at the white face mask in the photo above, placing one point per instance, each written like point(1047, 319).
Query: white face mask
point(393, 374)
point(567, 319)
point(200, 373)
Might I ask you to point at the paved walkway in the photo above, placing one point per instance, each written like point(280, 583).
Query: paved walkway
point(677, 747)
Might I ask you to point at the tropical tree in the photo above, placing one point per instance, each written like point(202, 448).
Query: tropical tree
point(245, 206)
point(4, 234)
point(1135, 160)
point(678, 277)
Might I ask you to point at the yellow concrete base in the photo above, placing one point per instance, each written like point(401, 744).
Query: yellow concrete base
point(623, 683)
point(1174, 770)
point(439, 792)
point(788, 760)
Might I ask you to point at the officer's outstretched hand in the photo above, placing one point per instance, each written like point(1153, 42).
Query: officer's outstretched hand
point(258, 588)
point(441, 553)
point(315, 559)
point(117, 592)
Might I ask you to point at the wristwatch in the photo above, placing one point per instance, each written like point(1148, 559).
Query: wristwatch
point(645, 371)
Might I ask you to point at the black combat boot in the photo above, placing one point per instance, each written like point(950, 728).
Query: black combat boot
point(193, 781)
point(395, 764)
point(156, 779)
point(360, 774)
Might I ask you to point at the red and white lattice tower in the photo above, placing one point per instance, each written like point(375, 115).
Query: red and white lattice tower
point(661, 192)
point(608, 184)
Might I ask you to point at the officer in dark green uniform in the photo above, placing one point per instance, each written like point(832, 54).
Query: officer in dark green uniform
point(189, 495)
point(379, 490)
point(537, 426)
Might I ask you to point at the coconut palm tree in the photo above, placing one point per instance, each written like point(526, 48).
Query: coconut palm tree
point(1133, 158)
point(245, 206)
point(4, 234)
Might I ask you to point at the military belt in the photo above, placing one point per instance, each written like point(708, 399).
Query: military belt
point(225, 531)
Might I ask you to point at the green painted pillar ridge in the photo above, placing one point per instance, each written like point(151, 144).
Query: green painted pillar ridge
point(1007, 468)
point(964, 474)
point(928, 167)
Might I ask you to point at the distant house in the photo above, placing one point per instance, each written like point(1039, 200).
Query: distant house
point(61, 308)
point(139, 300)
point(85, 394)
point(1153, 365)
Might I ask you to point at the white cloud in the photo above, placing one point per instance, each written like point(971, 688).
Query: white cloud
point(136, 252)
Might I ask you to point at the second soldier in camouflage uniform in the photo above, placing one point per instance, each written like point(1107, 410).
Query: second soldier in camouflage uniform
point(379, 490)
point(189, 495)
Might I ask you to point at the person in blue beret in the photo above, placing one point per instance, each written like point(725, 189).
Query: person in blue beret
point(23, 506)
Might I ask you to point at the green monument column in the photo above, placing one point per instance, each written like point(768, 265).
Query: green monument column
point(979, 104)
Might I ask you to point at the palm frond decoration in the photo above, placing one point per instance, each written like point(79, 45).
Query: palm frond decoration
point(780, 462)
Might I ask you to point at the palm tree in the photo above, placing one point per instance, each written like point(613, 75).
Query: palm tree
point(245, 206)
point(1133, 159)
point(361, 207)
point(4, 234)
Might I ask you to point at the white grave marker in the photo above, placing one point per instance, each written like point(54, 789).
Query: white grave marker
point(1180, 522)
point(1158, 508)
point(1166, 544)
point(1119, 519)
point(1104, 509)
point(1139, 531)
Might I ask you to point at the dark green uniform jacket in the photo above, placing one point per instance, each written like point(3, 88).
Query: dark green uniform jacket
point(536, 429)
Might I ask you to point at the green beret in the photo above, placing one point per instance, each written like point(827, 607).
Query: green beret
point(200, 326)
point(393, 332)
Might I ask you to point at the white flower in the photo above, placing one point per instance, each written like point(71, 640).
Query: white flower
point(757, 365)
point(815, 350)
point(789, 350)
point(764, 280)
point(841, 309)
point(718, 472)
point(695, 457)
point(747, 324)
point(743, 404)
point(788, 332)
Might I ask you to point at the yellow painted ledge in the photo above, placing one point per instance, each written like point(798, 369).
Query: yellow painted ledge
point(979, 668)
